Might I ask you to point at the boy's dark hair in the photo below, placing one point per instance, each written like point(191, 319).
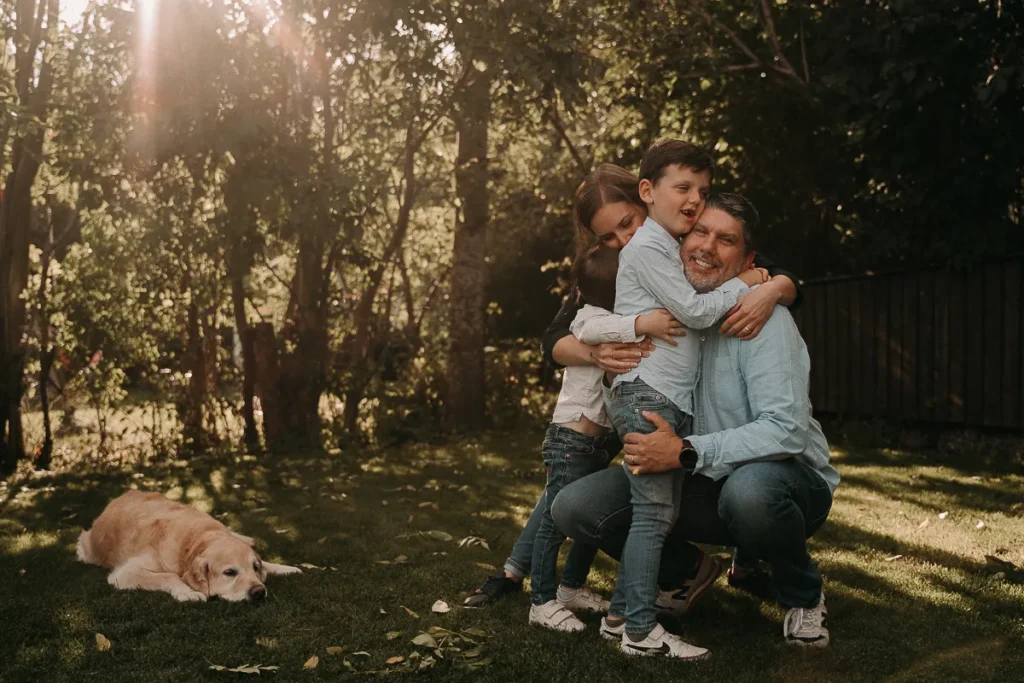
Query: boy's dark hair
point(594, 273)
point(665, 153)
point(740, 208)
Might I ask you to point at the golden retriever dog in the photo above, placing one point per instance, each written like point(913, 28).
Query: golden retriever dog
point(153, 543)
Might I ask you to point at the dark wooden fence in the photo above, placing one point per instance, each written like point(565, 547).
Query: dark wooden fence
point(935, 346)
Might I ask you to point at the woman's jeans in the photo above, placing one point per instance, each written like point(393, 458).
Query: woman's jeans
point(769, 508)
point(580, 556)
point(568, 457)
point(655, 502)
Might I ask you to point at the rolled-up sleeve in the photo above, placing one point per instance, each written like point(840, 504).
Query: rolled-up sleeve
point(596, 326)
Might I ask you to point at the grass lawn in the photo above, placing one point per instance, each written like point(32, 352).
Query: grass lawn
point(903, 555)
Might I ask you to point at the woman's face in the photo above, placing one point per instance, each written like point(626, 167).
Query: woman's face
point(615, 224)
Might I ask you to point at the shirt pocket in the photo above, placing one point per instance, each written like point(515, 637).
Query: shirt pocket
point(728, 390)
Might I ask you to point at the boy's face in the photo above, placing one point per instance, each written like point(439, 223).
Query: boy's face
point(676, 201)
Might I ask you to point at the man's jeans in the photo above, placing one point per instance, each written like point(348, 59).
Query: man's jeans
point(655, 502)
point(768, 508)
point(581, 555)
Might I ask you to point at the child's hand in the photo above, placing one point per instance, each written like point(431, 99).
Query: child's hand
point(661, 325)
point(754, 276)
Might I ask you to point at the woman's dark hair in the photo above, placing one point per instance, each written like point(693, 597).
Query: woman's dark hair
point(594, 274)
point(606, 184)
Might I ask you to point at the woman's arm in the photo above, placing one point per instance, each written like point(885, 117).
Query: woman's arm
point(747, 318)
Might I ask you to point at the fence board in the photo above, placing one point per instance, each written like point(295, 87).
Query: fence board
point(938, 346)
point(926, 347)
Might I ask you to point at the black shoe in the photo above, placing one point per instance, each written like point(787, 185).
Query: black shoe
point(757, 582)
point(494, 589)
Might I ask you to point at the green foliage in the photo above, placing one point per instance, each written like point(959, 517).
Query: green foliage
point(200, 157)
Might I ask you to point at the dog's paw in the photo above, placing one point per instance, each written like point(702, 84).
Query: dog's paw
point(188, 595)
point(280, 569)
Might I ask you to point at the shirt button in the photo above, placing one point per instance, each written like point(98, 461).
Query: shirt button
point(703, 338)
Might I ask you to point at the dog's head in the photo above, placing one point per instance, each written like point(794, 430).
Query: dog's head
point(225, 565)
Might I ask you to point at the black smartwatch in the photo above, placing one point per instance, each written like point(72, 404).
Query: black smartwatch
point(688, 457)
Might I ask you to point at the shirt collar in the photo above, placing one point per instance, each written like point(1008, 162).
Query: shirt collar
point(660, 235)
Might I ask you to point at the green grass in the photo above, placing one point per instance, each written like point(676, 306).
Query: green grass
point(934, 614)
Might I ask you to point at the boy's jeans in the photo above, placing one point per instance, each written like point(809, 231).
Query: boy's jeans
point(568, 456)
point(655, 499)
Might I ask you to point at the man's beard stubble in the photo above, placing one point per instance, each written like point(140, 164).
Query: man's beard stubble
point(703, 284)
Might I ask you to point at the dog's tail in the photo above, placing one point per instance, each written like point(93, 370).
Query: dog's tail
point(84, 548)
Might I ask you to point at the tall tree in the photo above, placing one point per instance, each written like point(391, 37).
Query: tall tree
point(34, 38)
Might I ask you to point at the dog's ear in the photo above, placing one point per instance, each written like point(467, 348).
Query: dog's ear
point(197, 576)
point(244, 539)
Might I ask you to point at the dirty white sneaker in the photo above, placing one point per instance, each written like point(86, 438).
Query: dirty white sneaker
point(581, 599)
point(661, 642)
point(709, 568)
point(612, 632)
point(805, 626)
point(555, 616)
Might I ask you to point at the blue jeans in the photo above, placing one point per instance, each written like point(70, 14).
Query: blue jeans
point(655, 501)
point(768, 508)
point(568, 456)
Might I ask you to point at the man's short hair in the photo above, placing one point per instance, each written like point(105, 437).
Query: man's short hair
point(740, 208)
point(594, 273)
point(665, 153)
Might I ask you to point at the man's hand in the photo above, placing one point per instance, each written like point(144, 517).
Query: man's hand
point(619, 359)
point(654, 452)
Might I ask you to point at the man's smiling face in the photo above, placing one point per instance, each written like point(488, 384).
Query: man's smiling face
point(714, 251)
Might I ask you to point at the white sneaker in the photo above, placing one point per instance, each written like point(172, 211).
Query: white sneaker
point(682, 600)
point(612, 632)
point(581, 599)
point(554, 616)
point(661, 642)
point(805, 626)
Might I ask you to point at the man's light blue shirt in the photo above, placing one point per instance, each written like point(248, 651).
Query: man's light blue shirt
point(753, 401)
point(651, 277)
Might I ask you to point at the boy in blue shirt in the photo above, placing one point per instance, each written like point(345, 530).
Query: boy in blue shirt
point(675, 178)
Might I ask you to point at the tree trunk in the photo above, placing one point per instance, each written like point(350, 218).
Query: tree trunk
point(16, 212)
point(268, 376)
point(303, 370)
point(252, 437)
point(195, 366)
point(45, 353)
point(466, 407)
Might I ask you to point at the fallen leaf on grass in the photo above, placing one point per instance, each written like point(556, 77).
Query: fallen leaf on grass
point(391, 635)
point(429, 504)
point(102, 644)
point(943, 515)
point(395, 660)
point(269, 643)
point(361, 653)
point(470, 541)
point(894, 557)
point(440, 607)
point(425, 640)
point(334, 650)
point(439, 535)
point(307, 565)
point(411, 613)
point(311, 663)
point(924, 524)
point(488, 567)
point(382, 611)
point(479, 632)
point(979, 525)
